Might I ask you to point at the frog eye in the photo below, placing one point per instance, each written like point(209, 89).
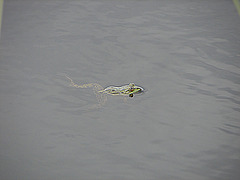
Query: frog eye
point(130, 95)
point(131, 84)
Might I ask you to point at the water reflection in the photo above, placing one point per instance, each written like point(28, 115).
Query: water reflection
point(186, 55)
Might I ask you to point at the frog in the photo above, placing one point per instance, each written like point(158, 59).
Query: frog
point(125, 90)
point(101, 93)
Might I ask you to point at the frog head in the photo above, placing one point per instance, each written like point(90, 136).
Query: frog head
point(134, 89)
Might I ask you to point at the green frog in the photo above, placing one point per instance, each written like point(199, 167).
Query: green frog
point(125, 90)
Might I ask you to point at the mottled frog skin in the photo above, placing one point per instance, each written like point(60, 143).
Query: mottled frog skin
point(126, 90)
point(100, 92)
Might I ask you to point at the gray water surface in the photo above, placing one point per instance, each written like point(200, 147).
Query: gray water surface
point(185, 53)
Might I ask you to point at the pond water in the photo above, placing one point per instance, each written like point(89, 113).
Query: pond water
point(184, 53)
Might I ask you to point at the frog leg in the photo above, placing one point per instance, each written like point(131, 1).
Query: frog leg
point(101, 97)
point(81, 86)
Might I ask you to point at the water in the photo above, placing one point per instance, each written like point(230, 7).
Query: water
point(184, 53)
